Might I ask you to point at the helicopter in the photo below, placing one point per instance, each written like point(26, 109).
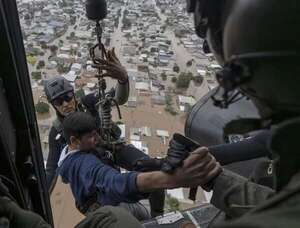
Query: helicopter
point(22, 170)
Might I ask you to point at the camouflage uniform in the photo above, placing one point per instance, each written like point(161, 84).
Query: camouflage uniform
point(236, 195)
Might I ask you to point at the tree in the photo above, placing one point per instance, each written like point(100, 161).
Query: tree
point(127, 35)
point(189, 63)
point(42, 107)
point(79, 93)
point(183, 80)
point(44, 45)
point(60, 43)
point(198, 80)
point(169, 106)
point(40, 64)
point(53, 48)
point(173, 203)
point(36, 75)
point(176, 68)
point(27, 17)
point(163, 76)
point(168, 42)
point(72, 20)
point(61, 69)
point(31, 59)
point(174, 79)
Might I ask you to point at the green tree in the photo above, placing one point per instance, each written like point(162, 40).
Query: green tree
point(44, 45)
point(60, 43)
point(163, 76)
point(174, 79)
point(61, 69)
point(172, 203)
point(189, 63)
point(36, 75)
point(183, 80)
point(198, 80)
point(79, 93)
point(42, 107)
point(176, 68)
point(53, 48)
point(127, 35)
point(169, 106)
point(41, 64)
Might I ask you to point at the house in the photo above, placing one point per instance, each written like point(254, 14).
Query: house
point(63, 56)
point(154, 87)
point(76, 67)
point(132, 102)
point(140, 145)
point(71, 76)
point(135, 137)
point(134, 131)
point(142, 86)
point(129, 51)
point(65, 49)
point(123, 130)
point(184, 102)
point(145, 131)
point(52, 65)
point(215, 66)
point(158, 99)
point(201, 72)
point(83, 34)
point(163, 134)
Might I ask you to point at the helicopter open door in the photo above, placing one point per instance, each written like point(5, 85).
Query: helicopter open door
point(21, 160)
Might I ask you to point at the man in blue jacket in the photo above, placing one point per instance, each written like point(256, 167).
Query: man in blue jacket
point(95, 181)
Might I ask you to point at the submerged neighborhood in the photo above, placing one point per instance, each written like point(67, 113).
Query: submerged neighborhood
point(154, 40)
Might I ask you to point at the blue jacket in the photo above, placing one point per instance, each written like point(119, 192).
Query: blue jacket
point(87, 175)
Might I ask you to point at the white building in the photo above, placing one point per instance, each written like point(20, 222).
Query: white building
point(183, 101)
point(71, 76)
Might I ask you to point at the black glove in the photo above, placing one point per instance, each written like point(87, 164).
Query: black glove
point(116, 131)
point(175, 156)
point(90, 101)
point(179, 149)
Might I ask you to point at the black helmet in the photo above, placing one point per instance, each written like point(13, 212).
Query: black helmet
point(207, 19)
point(56, 87)
point(261, 52)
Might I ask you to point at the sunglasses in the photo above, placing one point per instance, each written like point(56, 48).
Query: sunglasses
point(67, 97)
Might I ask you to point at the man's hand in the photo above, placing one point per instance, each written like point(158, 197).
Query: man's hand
point(198, 169)
point(113, 67)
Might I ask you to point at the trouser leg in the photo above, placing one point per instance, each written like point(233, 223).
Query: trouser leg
point(139, 211)
point(126, 158)
point(109, 217)
point(157, 202)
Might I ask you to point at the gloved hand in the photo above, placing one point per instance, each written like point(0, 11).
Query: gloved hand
point(179, 149)
point(116, 131)
point(90, 101)
point(19, 218)
point(113, 67)
point(177, 152)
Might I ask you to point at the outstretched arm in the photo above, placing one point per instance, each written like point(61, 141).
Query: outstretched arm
point(236, 195)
